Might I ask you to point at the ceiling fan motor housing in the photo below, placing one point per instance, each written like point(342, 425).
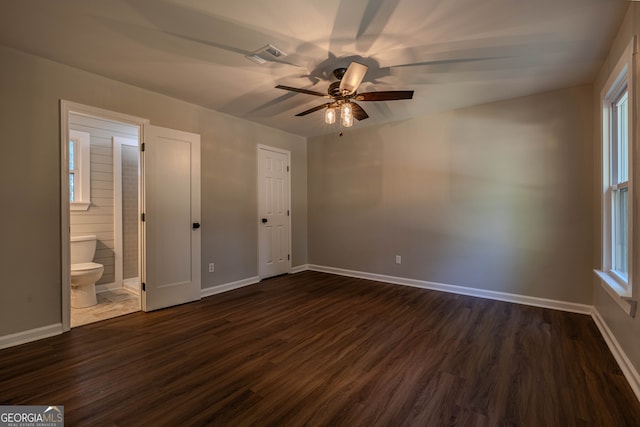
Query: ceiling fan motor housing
point(334, 89)
point(339, 73)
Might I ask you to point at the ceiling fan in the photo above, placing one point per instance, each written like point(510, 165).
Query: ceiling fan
point(344, 92)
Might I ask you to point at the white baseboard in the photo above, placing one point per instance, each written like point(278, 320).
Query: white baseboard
point(30, 335)
point(299, 268)
point(480, 293)
point(627, 368)
point(105, 287)
point(132, 285)
point(213, 290)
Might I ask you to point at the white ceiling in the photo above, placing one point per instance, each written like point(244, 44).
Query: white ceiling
point(452, 53)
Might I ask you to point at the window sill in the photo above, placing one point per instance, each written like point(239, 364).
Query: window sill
point(620, 295)
point(79, 206)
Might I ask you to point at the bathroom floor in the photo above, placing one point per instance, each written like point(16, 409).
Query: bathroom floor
point(110, 304)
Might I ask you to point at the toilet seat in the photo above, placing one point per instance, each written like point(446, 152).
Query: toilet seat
point(84, 266)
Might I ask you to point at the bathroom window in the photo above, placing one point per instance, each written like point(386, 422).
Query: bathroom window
point(79, 170)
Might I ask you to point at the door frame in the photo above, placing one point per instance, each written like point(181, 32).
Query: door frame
point(67, 107)
point(118, 217)
point(259, 216)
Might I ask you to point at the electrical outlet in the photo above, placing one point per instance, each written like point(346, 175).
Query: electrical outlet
point(398, 259)
point(211, 267)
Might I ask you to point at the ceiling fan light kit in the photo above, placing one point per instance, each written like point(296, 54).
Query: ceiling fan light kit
point(347, 121)
point(345, 110)
point(330, 115)
point(346, 114)
point(343, 91)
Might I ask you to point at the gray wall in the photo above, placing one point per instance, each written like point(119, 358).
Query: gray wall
point(31, 87)
point(489, 197)
point(625, 329)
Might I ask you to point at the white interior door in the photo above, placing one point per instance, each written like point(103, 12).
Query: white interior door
point(274, 214)
point(171, 207)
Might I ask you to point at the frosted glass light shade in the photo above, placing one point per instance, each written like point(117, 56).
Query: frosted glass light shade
point(347, 120)
point(330, 116)
point(346, 113)
point(346, 110)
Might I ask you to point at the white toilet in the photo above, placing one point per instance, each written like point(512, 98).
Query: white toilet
point(84, 272)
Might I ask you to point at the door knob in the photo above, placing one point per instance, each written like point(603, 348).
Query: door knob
point(264, 220)
point(196, 225)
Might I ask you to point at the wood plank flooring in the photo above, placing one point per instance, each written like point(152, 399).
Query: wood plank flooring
point(323, 350)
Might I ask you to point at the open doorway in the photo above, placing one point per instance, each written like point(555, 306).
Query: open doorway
point(167, 217)
point(103, 162)
point(108, 212)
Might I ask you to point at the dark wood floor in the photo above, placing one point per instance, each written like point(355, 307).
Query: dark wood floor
point(318, 349)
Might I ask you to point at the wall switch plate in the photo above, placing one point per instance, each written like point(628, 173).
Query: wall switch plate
point(211, 267)
point(398, 259)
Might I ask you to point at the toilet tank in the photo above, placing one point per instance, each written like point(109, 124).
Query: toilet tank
point(83, 248)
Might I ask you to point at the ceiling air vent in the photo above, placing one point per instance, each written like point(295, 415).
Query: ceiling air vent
point(264, 54)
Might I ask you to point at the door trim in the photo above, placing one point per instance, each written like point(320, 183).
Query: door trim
point(67, 107)
point(118, 142)
point(288, 154)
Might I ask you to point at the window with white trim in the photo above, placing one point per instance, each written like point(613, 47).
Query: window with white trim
point(618, 192)
point(79, 170)
point(617, 272)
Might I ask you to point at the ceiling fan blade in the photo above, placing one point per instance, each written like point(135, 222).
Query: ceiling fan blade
point(307, 91)
point(358, 112)
point(311, 110)
point(352, 78)
point(390, 95)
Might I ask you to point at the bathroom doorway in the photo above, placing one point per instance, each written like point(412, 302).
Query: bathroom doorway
point(168, 177)
point(104, 200)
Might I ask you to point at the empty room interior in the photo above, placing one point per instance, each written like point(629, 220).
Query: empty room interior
point(369, 212)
